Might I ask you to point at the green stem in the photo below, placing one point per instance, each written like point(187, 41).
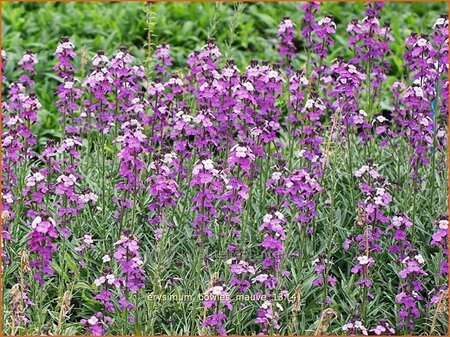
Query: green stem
point(102, 150)
point(350, 167)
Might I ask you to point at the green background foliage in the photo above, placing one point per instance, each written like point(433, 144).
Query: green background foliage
point(185, 26)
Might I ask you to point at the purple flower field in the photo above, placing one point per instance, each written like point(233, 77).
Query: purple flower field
point(283, 198)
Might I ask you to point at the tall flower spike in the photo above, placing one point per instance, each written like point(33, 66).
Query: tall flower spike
point(164, 191)
point(287, 49)
point(42, 246)
point(270, 276)
point(164, 61)
point(323, 278)
point(217, 300)
point(27, 64)
point(65, 54)
point(206, 177)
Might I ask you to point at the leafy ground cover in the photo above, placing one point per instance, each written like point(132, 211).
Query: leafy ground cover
point(286, 177)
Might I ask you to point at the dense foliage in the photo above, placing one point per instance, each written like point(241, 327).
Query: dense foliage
point(303, 194)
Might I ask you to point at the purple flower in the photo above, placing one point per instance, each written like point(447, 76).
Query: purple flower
point(217, 301)
point(128, 256)
point(322, 269)
point(162, 55)
point(287, 49)
point(97, 325)
point(42, 246)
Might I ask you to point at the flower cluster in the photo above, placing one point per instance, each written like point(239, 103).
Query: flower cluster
point(217, 300)
point(162, 54)
point(116, 288)
point(164, 189)
point(286, 33)
point(271, 269)
point(128, 257)
point(370, 217)
point(346, 93)
point(206, 177)
point(42, 246)
point(67, 91)
point(439, 239)
point(241, 271)
point(354, 328)
point(411, 273)
point(86, 244)
point(133, 148)
point(200, 153)
point(233, 198)
point(97, 324)
point(323, 278)
point(301, 191)
point(370, 44)
point(411, 286)
point(383, 328)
